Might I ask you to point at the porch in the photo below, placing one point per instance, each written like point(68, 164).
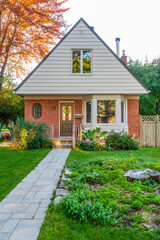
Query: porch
point(66, 142)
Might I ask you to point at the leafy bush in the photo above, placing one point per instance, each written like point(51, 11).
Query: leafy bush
point(95, 140)
point(121, 141)
point(137, 205)
point(150, 183)
point(80, 206)
point(94, 177)
point(30, 135)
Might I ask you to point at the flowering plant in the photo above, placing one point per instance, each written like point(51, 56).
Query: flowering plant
point(5, 135)
point(93, 140)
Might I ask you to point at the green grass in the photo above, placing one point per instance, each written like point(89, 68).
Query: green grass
point(15, 165)
point(98, 178)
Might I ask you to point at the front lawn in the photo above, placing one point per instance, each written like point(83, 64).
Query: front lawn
point(15, 165)
point(103, 205)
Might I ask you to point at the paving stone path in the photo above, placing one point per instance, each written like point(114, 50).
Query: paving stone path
point(22, 212)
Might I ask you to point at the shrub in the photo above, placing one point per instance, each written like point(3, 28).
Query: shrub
point(30, 135)
point(80, 206)
point(150, 183)
point(121, 141)
point(93, 140)
point(94, 177)
point(137, 205)
point(124, 208)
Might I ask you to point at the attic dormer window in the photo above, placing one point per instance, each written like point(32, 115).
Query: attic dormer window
point(81, 61)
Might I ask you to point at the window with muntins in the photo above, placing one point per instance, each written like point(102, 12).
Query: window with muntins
point(82, 61)
point(106, 112)
point(37, 110)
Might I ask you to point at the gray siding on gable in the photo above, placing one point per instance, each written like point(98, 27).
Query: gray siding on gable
point(54, 75)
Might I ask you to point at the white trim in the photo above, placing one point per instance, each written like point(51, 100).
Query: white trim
point(86, 111)
point(60, 117)
point(81, 66)
point(124, 112)
point(54, 97)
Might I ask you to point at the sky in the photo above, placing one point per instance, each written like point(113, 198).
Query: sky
point(135, 22)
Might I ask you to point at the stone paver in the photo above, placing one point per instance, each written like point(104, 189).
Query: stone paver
point(22, 212)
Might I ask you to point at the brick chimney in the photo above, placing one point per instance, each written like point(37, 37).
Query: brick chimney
point(124, 57)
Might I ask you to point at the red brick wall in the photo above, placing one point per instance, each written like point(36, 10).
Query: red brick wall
point(48, 115)
point(133, 117)
point(78, 110)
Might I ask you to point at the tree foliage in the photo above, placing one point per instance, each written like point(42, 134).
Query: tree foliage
point(11, 105)
point(28, 29)
point(149, 74)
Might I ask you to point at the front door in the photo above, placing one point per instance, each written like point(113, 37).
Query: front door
point(66, 119)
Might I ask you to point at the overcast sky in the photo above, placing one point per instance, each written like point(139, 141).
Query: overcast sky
point(136, 22)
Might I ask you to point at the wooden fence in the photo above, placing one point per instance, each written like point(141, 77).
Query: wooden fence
point(150, 131)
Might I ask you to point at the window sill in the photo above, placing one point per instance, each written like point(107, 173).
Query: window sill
point(81, 74)
point(110, 124)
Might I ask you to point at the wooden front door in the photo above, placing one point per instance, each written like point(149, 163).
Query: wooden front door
point(66, 119)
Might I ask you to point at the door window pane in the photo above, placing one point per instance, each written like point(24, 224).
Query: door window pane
point(88, 112)
point(106, 111)
point(63, 113)
point(76, 61)
point(69, 112)
point(87, 61)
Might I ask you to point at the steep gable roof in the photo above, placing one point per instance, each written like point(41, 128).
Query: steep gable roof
point(23, 88)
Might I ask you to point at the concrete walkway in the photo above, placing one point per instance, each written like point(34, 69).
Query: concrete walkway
point(22, 212)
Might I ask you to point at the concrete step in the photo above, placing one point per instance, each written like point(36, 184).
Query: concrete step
point(63, 141)
point(63, 145)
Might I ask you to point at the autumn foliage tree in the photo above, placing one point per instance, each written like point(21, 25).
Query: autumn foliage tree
point(28, 29)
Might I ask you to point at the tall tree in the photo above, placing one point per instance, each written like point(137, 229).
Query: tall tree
point(149, 74)
point(28, 29)
point(11, 105)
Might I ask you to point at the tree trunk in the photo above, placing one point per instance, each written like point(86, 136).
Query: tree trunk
point(157, 107)
point(3, 68)
point(1, 80)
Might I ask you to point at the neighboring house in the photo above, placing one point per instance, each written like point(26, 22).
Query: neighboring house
point(82, 81)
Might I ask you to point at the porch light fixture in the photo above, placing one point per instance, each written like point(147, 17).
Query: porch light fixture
point(54, 108)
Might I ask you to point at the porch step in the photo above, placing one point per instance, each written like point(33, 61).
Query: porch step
point(62, 143)
point(59, 146)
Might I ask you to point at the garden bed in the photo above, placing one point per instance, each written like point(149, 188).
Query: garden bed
point(102, 203)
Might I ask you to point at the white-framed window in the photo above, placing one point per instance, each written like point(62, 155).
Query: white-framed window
point(81, 61)
point(106, 111)
point(122, 111)
point(88, 111)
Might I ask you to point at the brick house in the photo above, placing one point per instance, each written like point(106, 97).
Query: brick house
point(82, 82)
